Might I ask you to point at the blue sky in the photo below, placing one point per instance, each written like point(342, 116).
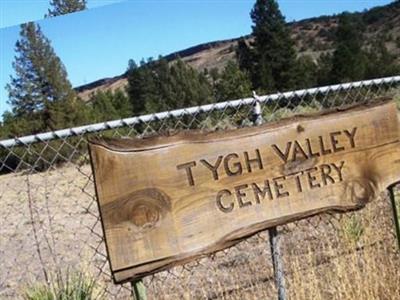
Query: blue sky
point(98, 42)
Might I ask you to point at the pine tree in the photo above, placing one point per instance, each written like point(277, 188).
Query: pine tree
point(233, 83)
point(18, 126)
point(159, 85)
point(103, 108)
point(122, 104)
point(380, 62)
point(110, 105)
point(348, 62)
point(41, 89)
point(212, 77)
point(141, 86)
point(324, 69)
point(244, 55)
point(274, 55)
point(185, 86)
point(62, 7)
point(305, 72)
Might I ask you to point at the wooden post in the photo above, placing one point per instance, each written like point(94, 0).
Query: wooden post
point(272, 232)
point(395, 214)
point(138, 290)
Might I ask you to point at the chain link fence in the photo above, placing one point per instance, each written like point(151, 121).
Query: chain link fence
point(50, 226)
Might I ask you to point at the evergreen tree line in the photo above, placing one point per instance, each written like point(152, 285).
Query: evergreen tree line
point(42, 98)
point(272, 64)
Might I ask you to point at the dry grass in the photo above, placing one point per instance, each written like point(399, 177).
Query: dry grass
point(368, 268)
point(339, 256)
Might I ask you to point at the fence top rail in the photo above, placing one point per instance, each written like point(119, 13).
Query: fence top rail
point(63, 133)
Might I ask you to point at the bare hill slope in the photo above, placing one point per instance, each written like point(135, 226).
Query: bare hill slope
point(312, 37)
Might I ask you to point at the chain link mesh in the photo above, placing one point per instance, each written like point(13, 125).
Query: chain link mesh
point(50, 221)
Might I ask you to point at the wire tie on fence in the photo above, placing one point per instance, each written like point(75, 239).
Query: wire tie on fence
point(73, 132)
point(19, 142)
point(37, 138)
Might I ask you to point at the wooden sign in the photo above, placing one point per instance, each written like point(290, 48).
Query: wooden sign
point(166, 200)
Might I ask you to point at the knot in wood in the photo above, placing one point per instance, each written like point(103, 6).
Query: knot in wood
point(138, 211)
point(300, 128)
point(361, 190)
point(145, 216)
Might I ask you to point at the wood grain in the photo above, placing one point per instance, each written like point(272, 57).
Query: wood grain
point(169, 199)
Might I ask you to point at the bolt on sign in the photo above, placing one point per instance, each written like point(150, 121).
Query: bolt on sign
point(167, 200)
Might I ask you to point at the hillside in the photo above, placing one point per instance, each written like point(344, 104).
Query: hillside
point(312, 37)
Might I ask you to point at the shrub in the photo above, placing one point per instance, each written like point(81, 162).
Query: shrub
point(75, 286)
point(353, 229)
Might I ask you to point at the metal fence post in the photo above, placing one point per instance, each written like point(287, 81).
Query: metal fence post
point(272, 232)
point(395, 214)
point(277, 262)
point(138, 290)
